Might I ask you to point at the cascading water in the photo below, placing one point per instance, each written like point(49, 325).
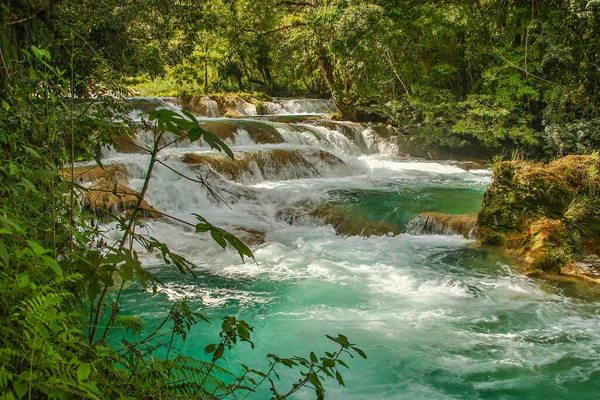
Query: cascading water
point(438, 316)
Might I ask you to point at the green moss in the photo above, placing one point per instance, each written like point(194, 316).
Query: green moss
point(546, 214)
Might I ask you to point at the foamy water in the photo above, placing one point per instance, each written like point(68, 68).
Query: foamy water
point(438, 316)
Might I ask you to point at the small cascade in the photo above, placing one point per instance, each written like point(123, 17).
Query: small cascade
point(343, 221)
point(250, 167)
point(231, 131)
point(243, 131)
point(341, 137)
point(444, 224)
point(203, 106)
point(299, 106)
point(329, 138)
point(144, 104)
point(235, 106)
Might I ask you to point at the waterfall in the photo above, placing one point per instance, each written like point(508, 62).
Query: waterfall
point(299, 106)
point(339, 218)
point(442, 224)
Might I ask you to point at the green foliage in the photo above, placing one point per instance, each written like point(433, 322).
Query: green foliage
point(492, 124)
point(61, 332)
point(577, 137)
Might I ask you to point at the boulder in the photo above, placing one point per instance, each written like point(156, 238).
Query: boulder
point(272, 164)
point(444, 224)
point(115, 199)
point(115, 173)
point(344, 222)
point(548, 215)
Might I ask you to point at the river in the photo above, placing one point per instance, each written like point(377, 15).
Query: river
point(438, 316)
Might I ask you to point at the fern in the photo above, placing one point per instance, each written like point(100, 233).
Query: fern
point(129, 323)
point(5, 377)
point(190, 376)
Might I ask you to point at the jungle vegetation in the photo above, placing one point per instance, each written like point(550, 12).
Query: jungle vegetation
point(496, 73)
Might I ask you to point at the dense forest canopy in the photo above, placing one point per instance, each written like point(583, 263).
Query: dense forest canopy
point(522, 73)
point(498, 74)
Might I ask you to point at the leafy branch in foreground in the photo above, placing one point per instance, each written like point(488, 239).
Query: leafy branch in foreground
point(62, 334)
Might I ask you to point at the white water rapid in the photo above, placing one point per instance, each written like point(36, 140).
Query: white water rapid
point(324, 206)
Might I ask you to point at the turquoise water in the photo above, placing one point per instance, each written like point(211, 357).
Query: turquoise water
point(438, 316)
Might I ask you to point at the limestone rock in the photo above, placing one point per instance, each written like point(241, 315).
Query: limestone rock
point(546, 214)
point(272, 164)
point(444, 224)
point(345, 223)
point(115, 173)
point(116, 199)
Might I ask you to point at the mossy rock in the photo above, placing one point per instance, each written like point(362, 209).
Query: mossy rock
point(440, 223)
point(343, 221)
point(270, 164)
point(112, 173)
point(259, 132)
point(548, 215)
point(106, 198)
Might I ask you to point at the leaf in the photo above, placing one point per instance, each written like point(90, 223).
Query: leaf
point(4, 254)
point(343, 340)
point(152, 115)
point(210, 348)
point(338, 376)
point(32, 152)
point(219, 352)
point(41, 53)
point(218, 237)
point(37, 249)
point(313, 357)
point(226, 326)
point(195, 134)
point(192, 118)
point(314, 379)
point(83, 371)
point(201, 227)
point(360, 352)
point(216, 143)
point(237, 244)
point(45, 174)
point(23, 280)
point(130, 323)
point(21, 388)
point(259, 373)
point(51, 262)
point(6, 221)
point(243, 332)
point(328, 362)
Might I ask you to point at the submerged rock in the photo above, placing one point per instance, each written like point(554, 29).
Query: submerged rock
point(271, 164)
point(444, 224)
point(115, 173)
point(250, 236)
point(259, 132)
point(116, 199)
point(345, 223)
point(203, 106)
point(106, 191)
point(548, 215)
